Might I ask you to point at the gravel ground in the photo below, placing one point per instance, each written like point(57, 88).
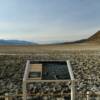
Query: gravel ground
point(86, 70)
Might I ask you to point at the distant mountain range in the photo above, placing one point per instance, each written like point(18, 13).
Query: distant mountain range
point(15, 42)
point(93, 39)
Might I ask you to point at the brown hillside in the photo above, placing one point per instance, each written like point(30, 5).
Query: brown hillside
point(94, 38)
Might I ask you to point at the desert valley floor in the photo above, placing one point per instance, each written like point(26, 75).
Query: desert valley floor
point(85, 61)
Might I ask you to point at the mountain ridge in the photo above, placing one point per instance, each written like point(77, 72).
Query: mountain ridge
point(15, 42)
point(95, 39)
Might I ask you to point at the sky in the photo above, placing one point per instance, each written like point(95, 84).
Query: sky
point(45, 21)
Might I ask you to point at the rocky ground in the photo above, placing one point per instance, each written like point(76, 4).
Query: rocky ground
point(86, 70)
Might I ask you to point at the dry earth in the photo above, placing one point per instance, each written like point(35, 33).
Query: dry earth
point(85, 60)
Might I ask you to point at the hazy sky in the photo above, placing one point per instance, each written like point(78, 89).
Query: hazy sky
point(49, 20)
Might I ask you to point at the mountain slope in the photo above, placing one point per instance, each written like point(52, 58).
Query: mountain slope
point(94, 38)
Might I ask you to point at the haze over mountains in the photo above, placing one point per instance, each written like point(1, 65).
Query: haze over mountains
point(95, 39)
